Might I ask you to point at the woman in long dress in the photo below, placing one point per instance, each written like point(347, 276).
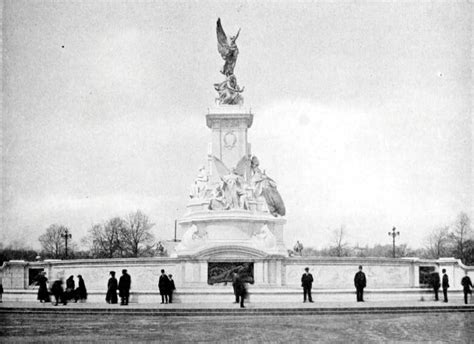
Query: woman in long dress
point(112, 286)
point(81, 291)
point(42, 281)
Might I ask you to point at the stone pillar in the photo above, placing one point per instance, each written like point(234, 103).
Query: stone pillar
point(15, 275)
point(229, 143)
point(272, 272)
point(278, 272)
point(203, 271)
point(258, 273)
point(412, 275)
point(265, 272)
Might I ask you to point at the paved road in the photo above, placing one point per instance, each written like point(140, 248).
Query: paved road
point(368, 328)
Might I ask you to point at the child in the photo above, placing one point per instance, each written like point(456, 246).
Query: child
point(172, 288)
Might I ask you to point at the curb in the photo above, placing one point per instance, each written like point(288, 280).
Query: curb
point(237, 311)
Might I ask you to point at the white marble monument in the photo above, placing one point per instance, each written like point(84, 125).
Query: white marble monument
point(232, 203)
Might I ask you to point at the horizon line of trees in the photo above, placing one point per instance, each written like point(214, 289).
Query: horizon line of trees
point(448, 241)
point(131, 236)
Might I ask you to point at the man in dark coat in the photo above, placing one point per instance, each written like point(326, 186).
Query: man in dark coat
point(241, 290)
point(58, 292)
point(124, 287)
point(445, 285)
point(435, 283)
point(467, 285)
point(307, 283)
point(164, 286)
point(171, 289)
point(360, 283)
point(112, 287)
point(235, 275)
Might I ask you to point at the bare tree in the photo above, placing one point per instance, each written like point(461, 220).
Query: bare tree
point(438, 242)
point(106, 240)
point(460, 234)
point(137, 238)
point(52, 242)
point(339, 248)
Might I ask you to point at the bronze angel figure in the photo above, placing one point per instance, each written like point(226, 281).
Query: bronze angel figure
point(227, 48)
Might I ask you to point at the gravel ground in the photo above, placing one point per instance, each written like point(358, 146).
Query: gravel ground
point(359, 328)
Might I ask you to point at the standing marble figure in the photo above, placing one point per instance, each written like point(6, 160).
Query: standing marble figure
point(360, 283)
point(125, 282)
point(307, 284)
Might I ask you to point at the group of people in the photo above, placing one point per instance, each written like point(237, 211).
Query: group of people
point(57, 290)
point(166, 287)
point(360, 282)
point(123, 286)
point(436, 283)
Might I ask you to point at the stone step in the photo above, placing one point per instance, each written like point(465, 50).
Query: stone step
point(236, 311)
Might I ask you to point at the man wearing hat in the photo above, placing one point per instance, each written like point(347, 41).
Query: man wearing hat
point(360, 282)
point(306, 283)
point(125, 282)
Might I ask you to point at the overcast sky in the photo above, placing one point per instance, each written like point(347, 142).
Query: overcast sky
point(362, 112)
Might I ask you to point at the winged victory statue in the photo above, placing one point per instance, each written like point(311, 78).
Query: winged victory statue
point(228, 90)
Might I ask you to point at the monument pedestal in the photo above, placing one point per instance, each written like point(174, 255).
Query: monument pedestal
point(239, 229)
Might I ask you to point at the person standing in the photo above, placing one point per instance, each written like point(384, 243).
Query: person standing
point(240, 289)
point(125, 282)
point(112, 286)
point(58, 292)
point(81, 291)
point(42, 281)
point(307, 283)
point(164, 286)
point(235, 275)
point(360, 283)
point(445, 285)
point(467, 285)
point(171, 289)
point(435, 283)
point(70, 287)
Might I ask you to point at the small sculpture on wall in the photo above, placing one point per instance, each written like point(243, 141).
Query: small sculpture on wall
point(192, 237)
point(264, 238)
point(199, 187)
